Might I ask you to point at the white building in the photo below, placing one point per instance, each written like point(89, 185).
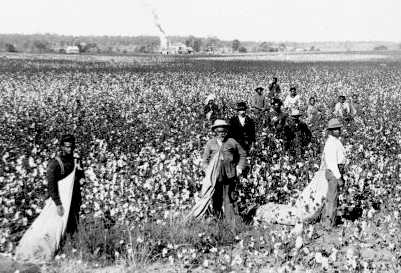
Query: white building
point(178, 48)
point(72, 50)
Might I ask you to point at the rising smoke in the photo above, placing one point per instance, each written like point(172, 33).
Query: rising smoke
point(156, 21)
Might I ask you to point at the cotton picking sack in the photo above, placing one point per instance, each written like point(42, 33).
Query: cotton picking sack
point(306, 209)
point(42, 239)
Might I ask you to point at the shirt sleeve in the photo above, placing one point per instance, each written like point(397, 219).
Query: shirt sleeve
point(331, 159)
point(52, 176)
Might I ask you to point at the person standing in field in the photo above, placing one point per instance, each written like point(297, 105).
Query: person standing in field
point(243, 128)
point(342, 109)
point(276, 119)
point(355, 105)
point(59, 168)
point(274, 89)
point(259, 104)
point(231, 161)
point(333, 160)
point(293, 100)
point(297, 135)
point(211, 109)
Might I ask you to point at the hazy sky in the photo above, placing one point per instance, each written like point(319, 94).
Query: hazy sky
point(259, 20)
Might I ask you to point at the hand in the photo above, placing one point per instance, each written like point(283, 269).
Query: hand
point(60, 210)
point(239, 172)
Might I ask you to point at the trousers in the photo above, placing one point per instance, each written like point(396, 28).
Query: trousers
point(330, 209)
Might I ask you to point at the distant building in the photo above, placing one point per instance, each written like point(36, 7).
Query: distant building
point(72, 50)
point(178, 48)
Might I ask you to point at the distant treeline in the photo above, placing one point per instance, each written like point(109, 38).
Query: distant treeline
point(42, 43)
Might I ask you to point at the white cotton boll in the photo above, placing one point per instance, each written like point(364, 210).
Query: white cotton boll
point(318, 257)
point(371, 212)
point(298, 229)
point(298, 242)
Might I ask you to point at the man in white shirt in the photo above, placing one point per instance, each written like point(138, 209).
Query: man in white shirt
point(342, 108)
point(293, 100)
point(333, 161)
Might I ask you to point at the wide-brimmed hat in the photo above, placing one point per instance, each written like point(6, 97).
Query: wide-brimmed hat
point(220, 123)
point(259, 88)
point(241, 106)
point(334, 123)
point(295, 113)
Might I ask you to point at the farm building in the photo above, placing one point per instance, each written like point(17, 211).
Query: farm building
point(72, 50)
point(178, 48)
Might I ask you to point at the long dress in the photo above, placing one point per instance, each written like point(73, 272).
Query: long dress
point(208, 188)
point(42, 239)
point(307, 208)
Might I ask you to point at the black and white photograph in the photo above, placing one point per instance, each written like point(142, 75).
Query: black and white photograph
point(200, 136)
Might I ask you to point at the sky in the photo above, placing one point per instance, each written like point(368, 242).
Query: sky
point(251, 20)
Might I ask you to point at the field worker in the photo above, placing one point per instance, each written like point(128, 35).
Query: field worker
point(274, 89)
point(211, 109)
point(243, 128)
point(333, 160)
point(276, 119)
point(293, 100)
point(342, 109)
point(355, 105)
point(297, 134)
point(60, 213)
point(231, 161)
point(259, 102)
point(59, 168)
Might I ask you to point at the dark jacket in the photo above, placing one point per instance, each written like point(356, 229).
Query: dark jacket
point(274, 90)
point(53, 175)
point(276, 123)
point(233, 156)
point(297, 137)
point(244, 135)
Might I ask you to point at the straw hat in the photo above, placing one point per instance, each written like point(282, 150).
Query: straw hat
point(334, 123)
point(219, 123)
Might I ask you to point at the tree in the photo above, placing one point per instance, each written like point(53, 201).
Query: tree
point(236, 45)
point(197, 45)
point(41, 46)
point(242, 49)
point(10, 48)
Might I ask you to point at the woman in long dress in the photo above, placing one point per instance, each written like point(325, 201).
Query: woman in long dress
point(223, 160)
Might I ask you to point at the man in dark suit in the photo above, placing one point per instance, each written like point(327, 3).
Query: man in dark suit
point(243, 128)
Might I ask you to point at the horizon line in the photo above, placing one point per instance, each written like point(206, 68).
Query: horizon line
point(205, 37)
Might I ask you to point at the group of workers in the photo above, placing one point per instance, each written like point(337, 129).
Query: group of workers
point(234, 140)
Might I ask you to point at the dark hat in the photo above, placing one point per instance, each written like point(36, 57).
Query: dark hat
point(293, 88)
point(259, 88)
point(241, 106)
point(67, 138)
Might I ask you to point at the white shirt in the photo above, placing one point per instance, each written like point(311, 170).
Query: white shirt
point(292, 102)
point(241, 120)
point(333, 154)
point(341, 109)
